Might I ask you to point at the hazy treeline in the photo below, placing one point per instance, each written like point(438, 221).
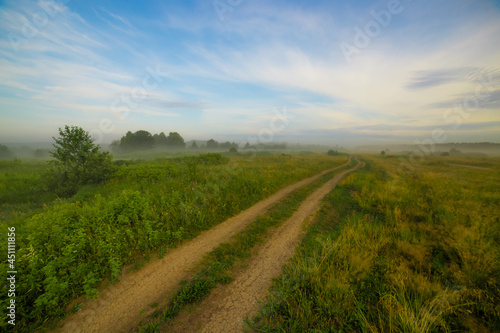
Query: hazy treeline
point(144, 140)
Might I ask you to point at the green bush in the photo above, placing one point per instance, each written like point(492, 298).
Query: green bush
point(77, 162)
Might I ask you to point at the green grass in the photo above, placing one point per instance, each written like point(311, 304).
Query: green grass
point(68, 247)
point(20, 190)
point(395, 251)
point(218, 264)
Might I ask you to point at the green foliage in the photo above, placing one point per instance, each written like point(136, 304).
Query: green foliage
point(67, 249)
point(140, 140)
point(20, 189)
point(175, 140)
point(160, 140)
point(5, 153)
point(143, 140)
point(332, 152)
point(219, 262)
point(396, 252)
point(212, 144)
point(78, 161)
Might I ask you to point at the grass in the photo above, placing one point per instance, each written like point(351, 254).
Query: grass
point(67, 247)
point(20, 190)
point(218, 264)
point(394, 251)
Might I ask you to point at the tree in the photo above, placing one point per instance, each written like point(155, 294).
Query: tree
point(382, 153)
point(140, 140)
point(175, 140)
point(332, 152)
point(212, 144)
point(77, 161)
point(5, 153)
point(115, 146)
point(39, 153)
point(160, 140)
point(194, 145)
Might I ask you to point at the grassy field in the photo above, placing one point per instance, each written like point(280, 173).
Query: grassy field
point(67, 247)
point(217, 267)
point(395, 250)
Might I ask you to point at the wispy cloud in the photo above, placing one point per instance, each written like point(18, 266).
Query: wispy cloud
point(226, 77)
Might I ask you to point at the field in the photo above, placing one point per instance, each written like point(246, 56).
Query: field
point(67, 247)
point(395, 250)
point(392, 249)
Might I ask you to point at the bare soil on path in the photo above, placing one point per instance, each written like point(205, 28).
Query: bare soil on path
point(227, 306)
point(471, 167)
point(120, 307)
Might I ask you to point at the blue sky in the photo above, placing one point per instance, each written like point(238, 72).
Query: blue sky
point(330, 72)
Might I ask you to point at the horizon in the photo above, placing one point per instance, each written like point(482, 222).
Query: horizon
point(346, 74)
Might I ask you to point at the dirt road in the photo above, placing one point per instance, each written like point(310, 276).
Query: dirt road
point(120, 307)
point(227, 306)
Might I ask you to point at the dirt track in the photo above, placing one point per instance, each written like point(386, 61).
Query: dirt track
point(227, 306)
point(118, 307)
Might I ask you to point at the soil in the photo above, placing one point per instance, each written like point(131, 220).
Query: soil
point(120, 307)
point(471, 167)
point(225, 309)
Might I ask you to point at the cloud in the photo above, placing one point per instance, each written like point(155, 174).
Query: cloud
point(432, 78)
point(177, 104)
point(226, 77)
point(116, 17)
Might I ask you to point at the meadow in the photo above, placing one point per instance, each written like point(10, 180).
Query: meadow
point(397, 250)
point(66, 248)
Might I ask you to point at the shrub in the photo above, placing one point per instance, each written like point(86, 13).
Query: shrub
point(77, 162)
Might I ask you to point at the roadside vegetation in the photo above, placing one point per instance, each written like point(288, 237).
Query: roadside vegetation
point(394, 250)
point(217, 267)
point(67, 247)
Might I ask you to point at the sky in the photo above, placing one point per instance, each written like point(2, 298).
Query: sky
point(326, 72)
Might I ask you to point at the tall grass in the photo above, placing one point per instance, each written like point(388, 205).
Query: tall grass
point(68, 248)
point(396, 251)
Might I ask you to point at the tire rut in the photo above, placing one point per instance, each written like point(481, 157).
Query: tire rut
point(118, 307)
point(227, 306)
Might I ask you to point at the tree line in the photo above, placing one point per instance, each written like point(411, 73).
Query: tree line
point(144, 140)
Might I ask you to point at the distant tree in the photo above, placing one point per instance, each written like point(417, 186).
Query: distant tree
point(160, 140)
point(233, 150)
point(212, 144)
point(175, 140)
point(115, 146)
point(144, 140)
point(5, 153)
point(77, 161)
point(332, 152)
point(194, 145)
point(382, 153)
point(39, 153)
point(140, 140)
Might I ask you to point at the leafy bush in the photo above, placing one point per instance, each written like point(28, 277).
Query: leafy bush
point(77, 162)
point(71, 246)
